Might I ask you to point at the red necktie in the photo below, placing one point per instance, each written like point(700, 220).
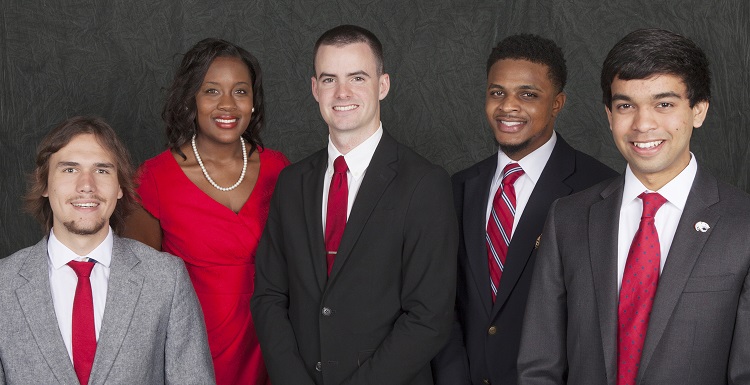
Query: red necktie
point(639, 282)
point(500, 224)
point(84, 334)
point(336, 213)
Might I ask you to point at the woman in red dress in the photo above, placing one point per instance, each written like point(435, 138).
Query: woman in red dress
point(205, 199)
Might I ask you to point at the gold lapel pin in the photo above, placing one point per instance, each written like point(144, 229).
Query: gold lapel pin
point(702, 226)
point(539, 238)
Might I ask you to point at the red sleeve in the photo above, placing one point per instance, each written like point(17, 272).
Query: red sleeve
point(147, 188)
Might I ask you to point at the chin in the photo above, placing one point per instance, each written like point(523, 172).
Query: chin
point(79, 229)
point(514, 148)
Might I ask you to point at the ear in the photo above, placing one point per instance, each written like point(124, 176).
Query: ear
point(45, 193)
point(314, 87)
point(609, 116)
point(384, 85)
point(558, 103)
point(119, 195)
point(700, 110)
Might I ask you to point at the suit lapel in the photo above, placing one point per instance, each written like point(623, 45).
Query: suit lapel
point(603, 229)
point(380, 172)
point(35, 298)
point(550, 186)
point(475, 227)
point(123, 290)
point(683, 254)
point(312, 195)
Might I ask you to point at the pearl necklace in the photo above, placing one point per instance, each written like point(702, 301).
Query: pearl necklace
point(205, 172)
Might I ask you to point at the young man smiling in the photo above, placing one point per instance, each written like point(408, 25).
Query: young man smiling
point(525, 81)
point(645, 278)
point(356, 268)
point(84, 305)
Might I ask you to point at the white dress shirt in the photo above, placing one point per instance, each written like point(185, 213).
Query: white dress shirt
point(532, 165)
point(666, 219)
point(63, 281)
point(357, 160)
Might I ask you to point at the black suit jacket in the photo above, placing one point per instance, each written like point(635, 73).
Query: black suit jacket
point(484, 344)
point(387, 306)
point(699, 328)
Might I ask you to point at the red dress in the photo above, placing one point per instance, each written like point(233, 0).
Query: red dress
point(218, 247)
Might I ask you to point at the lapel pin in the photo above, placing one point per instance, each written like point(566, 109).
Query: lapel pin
point(539, 238)
point(702, 226)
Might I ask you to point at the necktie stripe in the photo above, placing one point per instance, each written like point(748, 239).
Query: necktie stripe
point(500, 224)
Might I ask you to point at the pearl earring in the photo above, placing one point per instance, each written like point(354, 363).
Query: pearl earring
point(253, 110)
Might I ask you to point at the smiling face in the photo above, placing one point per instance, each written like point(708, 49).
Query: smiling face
point(652, 122)
point(82, 189)
point(225, 100)
point(521, 105)
point(348, 89)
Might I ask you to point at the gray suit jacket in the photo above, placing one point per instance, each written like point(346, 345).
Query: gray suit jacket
point(699, 331)
point(152, 331)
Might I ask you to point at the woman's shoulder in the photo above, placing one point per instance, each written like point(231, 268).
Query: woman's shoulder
point(273, 157)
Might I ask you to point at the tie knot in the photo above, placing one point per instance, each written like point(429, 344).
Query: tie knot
point(651, 203)
point(339, 165)
point(82, 269)
point(511, 173)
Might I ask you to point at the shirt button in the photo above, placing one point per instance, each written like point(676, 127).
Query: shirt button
point(327, 311)
point(486, 381)
point(319, 366)
point(492, 330)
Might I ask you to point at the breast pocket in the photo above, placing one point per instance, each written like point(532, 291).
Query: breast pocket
point(710, 283)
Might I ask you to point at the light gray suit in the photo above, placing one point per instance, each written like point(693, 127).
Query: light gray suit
point(699, 331)
point(152, 330)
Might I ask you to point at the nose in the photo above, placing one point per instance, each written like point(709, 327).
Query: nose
point(644, 120)
point(342, 90)
point(509, 104)
point(227, 102)
point(85, 183)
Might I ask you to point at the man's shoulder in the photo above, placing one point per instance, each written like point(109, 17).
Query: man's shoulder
point(150, 261)
point(489, 163)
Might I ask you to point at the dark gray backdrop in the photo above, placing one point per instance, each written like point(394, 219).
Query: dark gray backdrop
point(114, 59)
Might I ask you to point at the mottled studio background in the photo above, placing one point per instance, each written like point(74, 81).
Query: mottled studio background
point(114, 59)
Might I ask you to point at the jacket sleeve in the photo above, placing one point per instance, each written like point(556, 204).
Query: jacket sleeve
point(542, 358)
point(270, 305)
point(739, 356)
point(187, 358)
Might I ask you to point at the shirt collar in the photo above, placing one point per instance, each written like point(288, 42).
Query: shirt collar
point(359, 157)
point(60, 254)
point(532, 164)
point(675, 192)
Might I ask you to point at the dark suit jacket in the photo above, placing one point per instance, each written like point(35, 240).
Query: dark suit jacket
point(152, 330)
point(475, 352)
point(386, 308)
point(699, 331)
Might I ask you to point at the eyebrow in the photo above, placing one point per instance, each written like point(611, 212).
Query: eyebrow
point(76, 164)
point(521, 87)
point(325, 74)
point(217, 83)
point(661, 95)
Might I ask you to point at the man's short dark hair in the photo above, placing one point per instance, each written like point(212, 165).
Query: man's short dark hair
point(647, 52)
point(535, 49)
point(38, 205)
point(349, 34)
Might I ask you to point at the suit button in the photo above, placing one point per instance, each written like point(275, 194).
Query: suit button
point(319, 366)
point(492, 332)
point(327, 311)
point(486, 381)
